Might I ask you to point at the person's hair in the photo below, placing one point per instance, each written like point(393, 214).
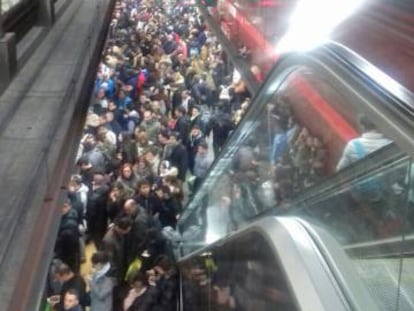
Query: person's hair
point(100, 257)
point(77, 179)
point(62, 269)
point(163, 262)
point(73, 292)
point(165, 134)
point(83, 161)
point(123, 222)
point(143, 182)
point(203, 144)
point(181, 110)
point(126, 165)
point(153, 149)
point(142, 137)
point(118, 185)
point(140, 277)
point(366, 124)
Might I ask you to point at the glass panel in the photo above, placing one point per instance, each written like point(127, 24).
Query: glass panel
point(309, 130)
point(312, 152)
point(241, 275)
point(406, 289)
point(368, 208)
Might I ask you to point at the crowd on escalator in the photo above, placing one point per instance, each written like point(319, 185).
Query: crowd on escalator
point(165, 94)
point(280, 158)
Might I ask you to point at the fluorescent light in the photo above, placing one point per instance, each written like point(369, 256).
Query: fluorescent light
point(313, 21)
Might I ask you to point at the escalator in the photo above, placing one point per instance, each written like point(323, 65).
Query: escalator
point(366, 206)
point(273, 264)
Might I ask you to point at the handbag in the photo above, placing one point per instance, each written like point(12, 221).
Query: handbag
point(133, 269)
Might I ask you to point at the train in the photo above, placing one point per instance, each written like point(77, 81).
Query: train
point(376, 36)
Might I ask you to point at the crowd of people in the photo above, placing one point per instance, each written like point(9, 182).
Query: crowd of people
point(164, 94)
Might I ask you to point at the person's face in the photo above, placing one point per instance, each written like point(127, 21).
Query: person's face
point(109, 117)
point(162, 139)
point(142, 99)
point(127, 172)
point(101, 94)
point(149, 157)
point(144, 190)
point(70, 301)
point(159, 193)
point(195, 132)
point(65, 208)
point(158, 272)
point(112, 106)
point(152, 278)
point(201, 150)
point(147, 116)
point(90, 141)
point(178, 113)
point(195, 112)
point(116, 192)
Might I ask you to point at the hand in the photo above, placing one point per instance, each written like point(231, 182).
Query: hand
point(53, 300)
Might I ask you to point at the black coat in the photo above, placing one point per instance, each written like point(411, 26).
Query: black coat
point(179, 159)
point(167, 287)
point(146, 301)
point(182, 126)
point(97, 213)
point(136, 237)
point(114, 245)
point(222, 126)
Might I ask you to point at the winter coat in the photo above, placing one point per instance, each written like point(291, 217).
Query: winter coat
point(101, 293)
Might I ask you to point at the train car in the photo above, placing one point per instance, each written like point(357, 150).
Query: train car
point(378, 33)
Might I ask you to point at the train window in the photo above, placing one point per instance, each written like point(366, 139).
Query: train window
point(236, 276)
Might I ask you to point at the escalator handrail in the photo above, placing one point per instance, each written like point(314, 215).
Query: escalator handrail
point(371, 165)
point(402, 133)
point(297, 247)
point(402, 97)
point(344, 272)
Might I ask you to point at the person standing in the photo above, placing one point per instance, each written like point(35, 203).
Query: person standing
point(358, 148)
point(114, 245)
point(71, 301)
point(101, 285)
point(202, 163)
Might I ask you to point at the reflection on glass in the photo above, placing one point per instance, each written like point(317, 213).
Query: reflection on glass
point(243, 275)
point(8, 4)
point(311, 130)
point(368, 208)
point(370, 141)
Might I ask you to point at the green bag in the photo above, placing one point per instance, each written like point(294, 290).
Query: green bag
point(133, 269)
